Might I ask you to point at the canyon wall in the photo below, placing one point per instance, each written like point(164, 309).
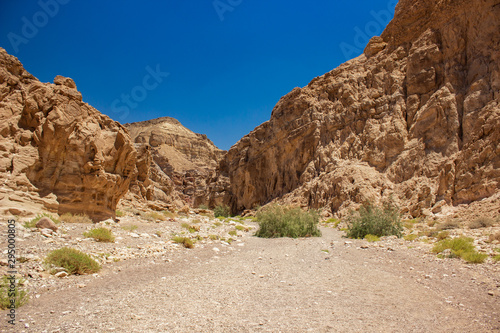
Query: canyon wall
point(416, 118)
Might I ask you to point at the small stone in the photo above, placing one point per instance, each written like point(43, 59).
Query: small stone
point(216, 249)
point(81, 285)
point(491, 293)
point(61, 274)
point(347, 242)
point(134, 235)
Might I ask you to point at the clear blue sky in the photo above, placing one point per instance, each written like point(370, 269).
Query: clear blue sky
point(228, 61)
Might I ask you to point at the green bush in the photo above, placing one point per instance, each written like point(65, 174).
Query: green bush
point(74, 261)
point(32, 223)
point(460, 247)
point(101, 235)
point(222, 211)
point(371, 220)
point(277, 221)
point(188, 243)
point(20, 296)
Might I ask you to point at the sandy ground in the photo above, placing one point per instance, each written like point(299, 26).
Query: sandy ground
point(326, 284)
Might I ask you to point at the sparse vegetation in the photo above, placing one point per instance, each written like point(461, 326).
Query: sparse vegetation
point(204, 207)
point(213, 237)
point(241, 228)
point(448, 225)
point(277, 221)
point(222, 211)
point(233, 233)
point(497, 257)
point(154, 216)
point(481, 222)
point(188, 243)
point(332, 221)
point(130, 227)
point(376, 221)
point(32, 223)
point(460, 247)
point(76, 218)
point(443, 235)
point(100, 234)
point(169, 215)
point(119, 213)
point(20, 295)
point(410, 237)
point(158, 233)
point(190, 228)
point(73, 261)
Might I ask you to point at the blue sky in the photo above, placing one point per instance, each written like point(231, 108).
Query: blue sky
point(219, 67)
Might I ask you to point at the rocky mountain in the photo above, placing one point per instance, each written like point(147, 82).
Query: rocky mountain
point(57, 152)
point(185, 157)
point(415, 118)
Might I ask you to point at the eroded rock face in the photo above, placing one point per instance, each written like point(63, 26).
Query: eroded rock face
point(58, 153)
point(181, 159)
point(416, 117)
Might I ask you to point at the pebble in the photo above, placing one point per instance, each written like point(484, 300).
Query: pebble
point(61, 274)
point(216, 249)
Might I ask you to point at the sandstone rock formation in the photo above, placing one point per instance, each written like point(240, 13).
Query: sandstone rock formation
point(416, 117)
point(181, 158)
point(57, 152)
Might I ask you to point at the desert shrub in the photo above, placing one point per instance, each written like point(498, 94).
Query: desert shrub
point(190, 228)
point(371, 220)
point(222, 211)
point(101, 235)
point(474, 257)
point(461, 247)
point(241, 228)
point(277, 221)
point(372, 238)
point(32, 223)
point(77, 218)
point(119, 213)
point(443, 235)
point(410, 237)
point(481, 222)
point(154, 216)
point(213, 237)
point(335, 222)
point(204, 207)
point(448, 225)
point(188, 243)
point(73, 261)
point(233, 233)
point(20, 295)
point(456, 245)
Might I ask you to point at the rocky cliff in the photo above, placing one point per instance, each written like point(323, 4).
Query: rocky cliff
point(184, 157)
point(416, 118)
point(57, 152)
